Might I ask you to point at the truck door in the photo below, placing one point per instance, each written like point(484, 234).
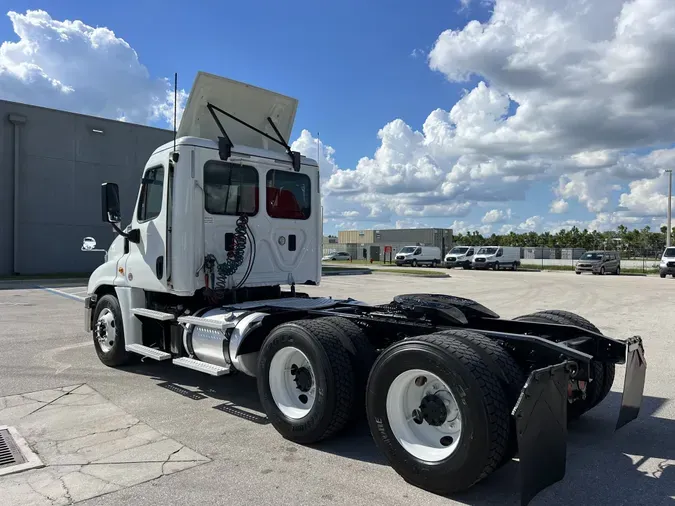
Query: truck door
point(146, 262)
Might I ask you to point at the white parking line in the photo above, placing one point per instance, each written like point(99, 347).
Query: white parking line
point(62, 293)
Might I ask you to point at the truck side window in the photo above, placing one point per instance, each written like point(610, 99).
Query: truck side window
point(230, 189)
point(418, 251)
point(288, 195)
point(470, 253)
point(150, 201)
point(500, 252)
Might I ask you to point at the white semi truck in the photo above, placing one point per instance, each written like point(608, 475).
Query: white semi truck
point(227, 226)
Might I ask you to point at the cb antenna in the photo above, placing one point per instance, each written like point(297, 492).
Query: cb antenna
point(175, 105)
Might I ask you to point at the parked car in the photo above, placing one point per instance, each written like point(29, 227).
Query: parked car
point(667, 264)
point(338, 255)
point(496, 258)
point(416, 255)
point(459, 256)
point(599, 262)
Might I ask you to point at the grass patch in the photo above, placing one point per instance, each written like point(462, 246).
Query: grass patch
point(414, 272)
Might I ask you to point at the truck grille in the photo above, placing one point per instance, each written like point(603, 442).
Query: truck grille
point(671, 264)
point(452, 259)
point(480, 260)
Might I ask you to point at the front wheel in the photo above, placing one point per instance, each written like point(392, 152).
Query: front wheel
point(437, 412)
point(108, 332)
point(306, 381)
point(414, 263)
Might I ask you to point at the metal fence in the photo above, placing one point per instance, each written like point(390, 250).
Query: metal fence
point(641, 259)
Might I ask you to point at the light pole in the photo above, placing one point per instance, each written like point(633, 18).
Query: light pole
point(670, 194)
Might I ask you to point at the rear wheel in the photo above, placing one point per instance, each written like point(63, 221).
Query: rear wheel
point(603, 373)
point(437, 412)
point(512, 376)
point(305, 381)
point(362, 355)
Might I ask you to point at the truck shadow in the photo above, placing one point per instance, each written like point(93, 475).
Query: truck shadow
point(635, 465)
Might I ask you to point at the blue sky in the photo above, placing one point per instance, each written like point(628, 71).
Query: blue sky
point(351, 66)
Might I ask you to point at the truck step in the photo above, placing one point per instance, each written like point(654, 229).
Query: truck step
point(146, 351)
point(151, 313)
point(206, 323)
point(198, 365)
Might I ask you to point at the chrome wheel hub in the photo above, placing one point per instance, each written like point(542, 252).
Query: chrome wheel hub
point(105, 330)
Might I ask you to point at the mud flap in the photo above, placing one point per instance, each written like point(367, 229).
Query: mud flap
point(633, 383)
point(541, 424)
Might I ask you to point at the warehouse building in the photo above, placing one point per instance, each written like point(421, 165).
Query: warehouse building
point(370, 244)
point(52, 164)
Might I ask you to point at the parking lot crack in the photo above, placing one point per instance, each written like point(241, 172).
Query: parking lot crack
point(44, 404)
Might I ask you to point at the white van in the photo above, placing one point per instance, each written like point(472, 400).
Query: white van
point(667, 264)
point(460, 256)
point(496, 257)
point(416, 255)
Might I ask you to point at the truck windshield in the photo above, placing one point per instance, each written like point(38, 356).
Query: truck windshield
point(407, 249)
point(459, 251)
point(487, 251)
point(670, 252)
point(591, 256)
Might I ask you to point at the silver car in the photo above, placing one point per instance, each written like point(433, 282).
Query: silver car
point(599, 262)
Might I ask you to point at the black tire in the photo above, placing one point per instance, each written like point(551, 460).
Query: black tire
point(618, 271)
point(603, 374)
point(602, 271)
point(334, 376)
point(117, 355)
point(483, 407)
point(511, 375)
point(496, 267)
point(414, 263)
point(362, 357)
point(663, 275)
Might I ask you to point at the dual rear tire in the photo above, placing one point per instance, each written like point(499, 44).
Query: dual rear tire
point(438, 406)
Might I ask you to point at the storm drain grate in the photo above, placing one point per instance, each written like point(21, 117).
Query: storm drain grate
point(10, 455)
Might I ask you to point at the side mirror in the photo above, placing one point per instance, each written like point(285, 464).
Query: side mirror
point(110, 203)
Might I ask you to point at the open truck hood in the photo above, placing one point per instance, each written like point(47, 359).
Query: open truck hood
point(248, 103)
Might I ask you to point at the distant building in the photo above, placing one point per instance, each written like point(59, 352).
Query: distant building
point(52, 164)
point(367, 244)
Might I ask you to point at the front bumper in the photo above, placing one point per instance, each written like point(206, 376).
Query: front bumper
point(667, 269)
point(541, 417)
point(482, 265)
point(588, 268)
point(457, 263)
point(89, 304)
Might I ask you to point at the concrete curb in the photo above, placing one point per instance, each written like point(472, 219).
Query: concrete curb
point(347, 272)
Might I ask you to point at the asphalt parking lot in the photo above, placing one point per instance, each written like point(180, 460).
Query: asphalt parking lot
point(43, 346)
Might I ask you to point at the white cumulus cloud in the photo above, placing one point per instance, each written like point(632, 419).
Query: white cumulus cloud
point(72, 66)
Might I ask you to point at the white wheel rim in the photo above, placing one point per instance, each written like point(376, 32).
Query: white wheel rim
point(105, 330)
point(292, 397)
point(427, 442)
